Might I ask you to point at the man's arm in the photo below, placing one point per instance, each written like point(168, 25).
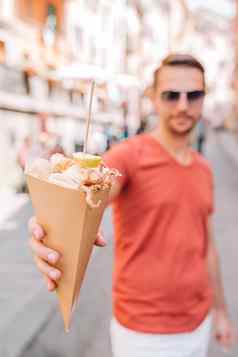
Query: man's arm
point(223, 329)
point(115, 191)
point(118, 158)
point(214, 270)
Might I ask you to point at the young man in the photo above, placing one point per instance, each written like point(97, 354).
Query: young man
point(167, 280)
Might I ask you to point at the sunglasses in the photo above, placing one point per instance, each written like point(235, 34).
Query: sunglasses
point(174, 96)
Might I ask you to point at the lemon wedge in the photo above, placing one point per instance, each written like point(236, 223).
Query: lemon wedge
point(87, 160)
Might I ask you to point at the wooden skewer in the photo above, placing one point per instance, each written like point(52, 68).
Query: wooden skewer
point(85, 149)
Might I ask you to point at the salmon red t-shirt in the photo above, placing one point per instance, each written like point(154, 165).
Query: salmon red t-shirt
point(160, 279)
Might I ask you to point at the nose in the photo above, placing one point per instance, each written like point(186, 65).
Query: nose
point(182, 104)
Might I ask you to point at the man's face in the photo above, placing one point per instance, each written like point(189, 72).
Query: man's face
point(179, 98)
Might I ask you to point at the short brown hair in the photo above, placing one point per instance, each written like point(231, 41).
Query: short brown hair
point(178, 60)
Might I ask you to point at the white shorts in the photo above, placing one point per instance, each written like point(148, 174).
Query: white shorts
point(129, 343)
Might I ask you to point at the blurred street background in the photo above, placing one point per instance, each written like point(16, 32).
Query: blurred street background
point(50, 51)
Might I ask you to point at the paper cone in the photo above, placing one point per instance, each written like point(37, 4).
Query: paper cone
point(71, 226)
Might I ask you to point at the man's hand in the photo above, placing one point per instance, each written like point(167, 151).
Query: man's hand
point(46, 258)
point(224, 330)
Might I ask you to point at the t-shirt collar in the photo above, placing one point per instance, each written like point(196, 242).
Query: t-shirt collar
point(151, 153)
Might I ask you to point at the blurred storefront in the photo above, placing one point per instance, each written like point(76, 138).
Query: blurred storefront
point(49, 53)
point(50, 50)
point(233, 123)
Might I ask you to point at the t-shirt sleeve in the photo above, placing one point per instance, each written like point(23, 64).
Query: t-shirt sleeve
point(118, 157)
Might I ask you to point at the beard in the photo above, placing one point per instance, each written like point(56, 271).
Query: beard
point(181, 133)
point(184, 130)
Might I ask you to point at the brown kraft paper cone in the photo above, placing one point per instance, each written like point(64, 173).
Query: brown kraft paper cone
point(71, 227)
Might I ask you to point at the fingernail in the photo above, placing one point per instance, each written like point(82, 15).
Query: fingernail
point(54, 274)
point(53, 257)
point(37, 233)
point(49, 286)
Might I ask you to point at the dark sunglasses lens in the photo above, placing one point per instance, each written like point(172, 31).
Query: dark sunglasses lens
point(170, 96)
point(195, 95)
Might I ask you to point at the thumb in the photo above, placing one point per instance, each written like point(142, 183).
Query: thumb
point(100, 241)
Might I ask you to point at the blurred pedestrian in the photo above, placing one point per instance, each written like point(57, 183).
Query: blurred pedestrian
point(23, 155)
point(167, 283)
point(142, 127)
point(24, 152)
point(49, 142)
point(125, 129)
point(200, 135)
